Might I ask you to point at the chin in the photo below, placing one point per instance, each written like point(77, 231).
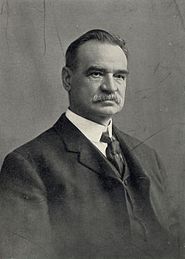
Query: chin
point(111, 110)
point(108, 113)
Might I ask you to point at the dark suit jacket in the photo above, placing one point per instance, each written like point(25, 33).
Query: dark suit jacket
point(61, 198)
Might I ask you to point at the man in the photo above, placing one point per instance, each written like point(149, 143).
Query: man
point(73, 192)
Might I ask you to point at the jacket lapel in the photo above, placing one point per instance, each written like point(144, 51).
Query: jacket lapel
point(92, 158)
point(137, 173)
point(89, 155)
point(138, 185)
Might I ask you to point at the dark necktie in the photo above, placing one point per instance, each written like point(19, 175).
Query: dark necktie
point(113, 152)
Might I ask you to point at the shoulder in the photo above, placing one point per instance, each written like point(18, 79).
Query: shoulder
point(38, 147)
point(49, 140)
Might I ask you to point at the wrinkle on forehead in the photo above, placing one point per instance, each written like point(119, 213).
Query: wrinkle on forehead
point(102, 54)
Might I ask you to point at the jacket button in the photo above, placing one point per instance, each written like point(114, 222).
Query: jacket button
point(25, 197)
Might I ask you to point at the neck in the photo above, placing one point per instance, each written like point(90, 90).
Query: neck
point(98, 119)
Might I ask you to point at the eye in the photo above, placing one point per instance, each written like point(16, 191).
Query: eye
point(96, 74)
point(120, 76)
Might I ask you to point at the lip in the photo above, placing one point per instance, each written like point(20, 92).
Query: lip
point(108, 102)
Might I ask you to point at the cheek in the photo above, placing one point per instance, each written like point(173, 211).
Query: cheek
point(92, 84)
point(122, 95)
point(122, 90)
point(85, 95)
point(85, 89)
point(90, 90)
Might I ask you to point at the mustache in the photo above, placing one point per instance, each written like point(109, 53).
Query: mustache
point(104, 97)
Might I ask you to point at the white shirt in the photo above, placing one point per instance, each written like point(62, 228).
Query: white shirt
point(92, 130)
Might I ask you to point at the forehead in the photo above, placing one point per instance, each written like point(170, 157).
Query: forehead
point(103, 54)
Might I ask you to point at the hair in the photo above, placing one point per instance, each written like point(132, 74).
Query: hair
point(96, 35)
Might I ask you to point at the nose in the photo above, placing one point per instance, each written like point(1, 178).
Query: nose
point(108, 84)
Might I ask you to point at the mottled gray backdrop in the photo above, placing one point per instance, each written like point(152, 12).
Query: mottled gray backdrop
point(33, 37)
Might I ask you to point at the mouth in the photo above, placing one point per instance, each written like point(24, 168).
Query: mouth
point(108, 102)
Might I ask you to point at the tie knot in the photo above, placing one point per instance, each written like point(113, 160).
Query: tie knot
point(105, 138)
point(113, 144)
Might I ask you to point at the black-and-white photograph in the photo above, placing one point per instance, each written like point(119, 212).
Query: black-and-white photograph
point(92, 129)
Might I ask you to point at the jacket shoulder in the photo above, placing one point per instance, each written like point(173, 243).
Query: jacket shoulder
point(41, 144)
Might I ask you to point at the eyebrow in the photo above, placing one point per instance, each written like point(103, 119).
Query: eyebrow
point(103, 70)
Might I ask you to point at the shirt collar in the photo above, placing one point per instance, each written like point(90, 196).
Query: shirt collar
point(92, 130)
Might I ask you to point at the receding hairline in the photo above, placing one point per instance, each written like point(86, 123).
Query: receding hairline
point(96, 35)
point(101, 43)
point(90, 42)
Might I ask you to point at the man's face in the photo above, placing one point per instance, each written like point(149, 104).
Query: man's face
point(98, 84)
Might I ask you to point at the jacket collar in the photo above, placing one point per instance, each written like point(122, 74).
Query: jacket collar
point(76, 142)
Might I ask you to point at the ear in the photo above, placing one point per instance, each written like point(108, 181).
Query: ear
point(66, 78)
